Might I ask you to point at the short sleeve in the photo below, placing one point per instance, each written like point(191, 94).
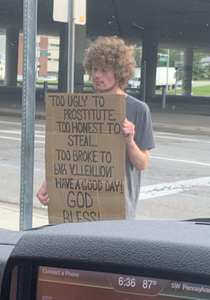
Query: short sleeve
point(144, 137)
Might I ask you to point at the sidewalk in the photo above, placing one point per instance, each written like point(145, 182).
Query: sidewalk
point(182, 121)
point(185, 119)
point(9, 216)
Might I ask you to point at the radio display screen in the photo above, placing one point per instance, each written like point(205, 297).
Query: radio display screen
point(67, 284)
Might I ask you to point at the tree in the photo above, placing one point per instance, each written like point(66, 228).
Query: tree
point(207, 71)
point(137, 56)
point(174, 57)
point(88, 43)
point(198, 70)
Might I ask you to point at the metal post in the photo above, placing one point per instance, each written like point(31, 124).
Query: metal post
point(164, 97)
point(167, 70)
point(37, 60)
point(145, 81)
point(70, 70)
point(175, 86)
point(28, 112)
point(73, 56)
point(45, 90)
point(11, 67)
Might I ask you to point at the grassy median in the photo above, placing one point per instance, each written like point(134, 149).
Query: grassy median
point(196, 91)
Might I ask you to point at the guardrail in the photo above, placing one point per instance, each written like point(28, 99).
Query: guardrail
point(42, 84)
point(38, 84)
point(46, 85)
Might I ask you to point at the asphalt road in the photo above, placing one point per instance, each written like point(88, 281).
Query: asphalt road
point(200, 83)
point(176, 184)
point(10, 159)
point(196, 83)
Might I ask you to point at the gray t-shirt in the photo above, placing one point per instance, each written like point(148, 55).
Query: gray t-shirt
point(138, 113)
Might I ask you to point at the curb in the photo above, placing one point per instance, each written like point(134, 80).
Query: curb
point(174, 128)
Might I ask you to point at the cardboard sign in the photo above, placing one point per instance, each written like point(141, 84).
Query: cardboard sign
point(85, 157)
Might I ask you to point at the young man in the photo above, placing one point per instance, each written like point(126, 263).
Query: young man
point(111, 65)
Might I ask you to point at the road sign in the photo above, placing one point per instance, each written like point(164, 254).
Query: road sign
point(177, 63)
point(176, 75)
point(164, 59)
point(45, 54)
point(80, 12)
point(60, 11)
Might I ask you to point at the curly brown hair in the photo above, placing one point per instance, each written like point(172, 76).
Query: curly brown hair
point(111, 51)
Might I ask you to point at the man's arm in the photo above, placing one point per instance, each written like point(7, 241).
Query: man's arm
point(139, 158)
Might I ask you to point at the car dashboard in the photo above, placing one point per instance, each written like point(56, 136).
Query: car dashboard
point(107, 260)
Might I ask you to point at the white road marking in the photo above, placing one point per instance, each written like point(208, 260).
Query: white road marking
point(171, 133)
point(181, 139)
point(11, 131)
point(10, 138)
point(18, 139)
point(38, 131)
point(19, 123)
point(157, 134)
point(168, 188)
point(10, 123)
point(18, 132)
point(181, 160)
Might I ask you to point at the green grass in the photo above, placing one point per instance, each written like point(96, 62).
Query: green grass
point(49, 81)
point(88, 82)
point(88, 88)
point(201, 90)
point(196, 91)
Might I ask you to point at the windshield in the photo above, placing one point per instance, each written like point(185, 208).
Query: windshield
point(136, 143)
